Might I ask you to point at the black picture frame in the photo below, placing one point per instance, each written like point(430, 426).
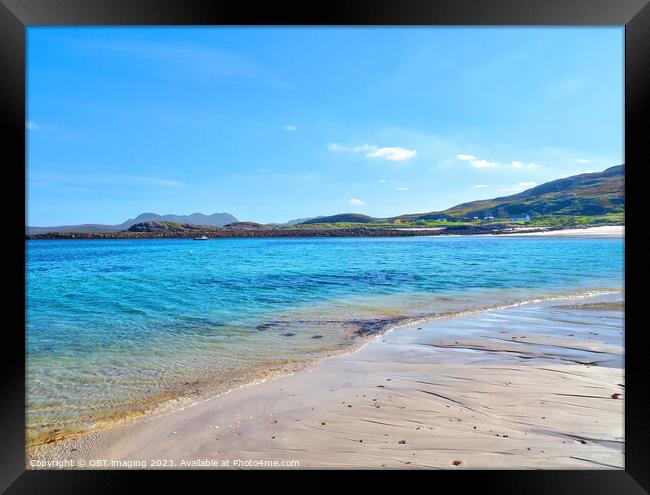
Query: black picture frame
point(16, 15)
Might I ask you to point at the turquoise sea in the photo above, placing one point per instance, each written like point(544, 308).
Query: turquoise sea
point(118, 327)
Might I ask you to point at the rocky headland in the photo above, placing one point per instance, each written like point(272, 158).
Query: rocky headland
point(172, 230)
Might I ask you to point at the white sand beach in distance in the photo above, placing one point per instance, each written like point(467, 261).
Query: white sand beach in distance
point(539, 385)
point(603, 231)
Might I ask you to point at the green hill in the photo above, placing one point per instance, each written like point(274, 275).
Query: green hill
point(592, 194)
point(342, 218)
point(580, 199)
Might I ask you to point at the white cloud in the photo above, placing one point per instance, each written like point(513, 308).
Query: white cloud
point(582, 160)
point(290, 127)
point(520, 165)
point(480, 185)
point(382, 180)
point(32, 126)
point(392, 153)
point(476, 162)
point(402, 189)
point(483, 164)
point(350, 149)
point(356, 202)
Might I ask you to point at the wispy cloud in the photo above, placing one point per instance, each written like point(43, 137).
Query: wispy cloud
point(192, 57)
point(351, 149)
point(136, 180)
point(356, 202)
point(476, 162)
point(522, 165)
point(392, 153)
point(57, 187)
point(143, 180)
point(480, 185)
point(290, 127)
point(582, 160)
point(382, 180)
point(402, 189)
point(483, 163)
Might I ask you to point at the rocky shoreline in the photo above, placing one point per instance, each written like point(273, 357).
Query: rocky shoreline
point(161, 230)
point(170, 230)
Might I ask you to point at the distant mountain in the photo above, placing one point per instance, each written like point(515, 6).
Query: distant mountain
point(343, 217)
point(216, 219)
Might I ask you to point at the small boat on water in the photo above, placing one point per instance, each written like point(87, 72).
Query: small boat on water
point(202, 238)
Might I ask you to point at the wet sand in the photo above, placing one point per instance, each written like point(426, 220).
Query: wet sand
point(538, 386)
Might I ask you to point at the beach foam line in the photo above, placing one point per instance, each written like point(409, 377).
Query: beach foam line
point(406, 321)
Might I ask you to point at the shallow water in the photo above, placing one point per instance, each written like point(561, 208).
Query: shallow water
point(119, 325)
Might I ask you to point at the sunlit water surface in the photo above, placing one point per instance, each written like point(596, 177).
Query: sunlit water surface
point(116, 327)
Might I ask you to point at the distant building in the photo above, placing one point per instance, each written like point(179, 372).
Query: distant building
point(488, 218)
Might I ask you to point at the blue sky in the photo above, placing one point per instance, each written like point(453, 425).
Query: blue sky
point(280, 123)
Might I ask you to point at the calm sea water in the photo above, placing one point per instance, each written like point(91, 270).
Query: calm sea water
point(118, 326)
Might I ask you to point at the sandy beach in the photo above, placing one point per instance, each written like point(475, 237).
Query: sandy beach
point(604, 231)
point(536, 386)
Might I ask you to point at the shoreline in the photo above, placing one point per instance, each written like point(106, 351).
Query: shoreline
point(613, 231)
point(366, 331)
point(357, 232)
point(143, 435)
